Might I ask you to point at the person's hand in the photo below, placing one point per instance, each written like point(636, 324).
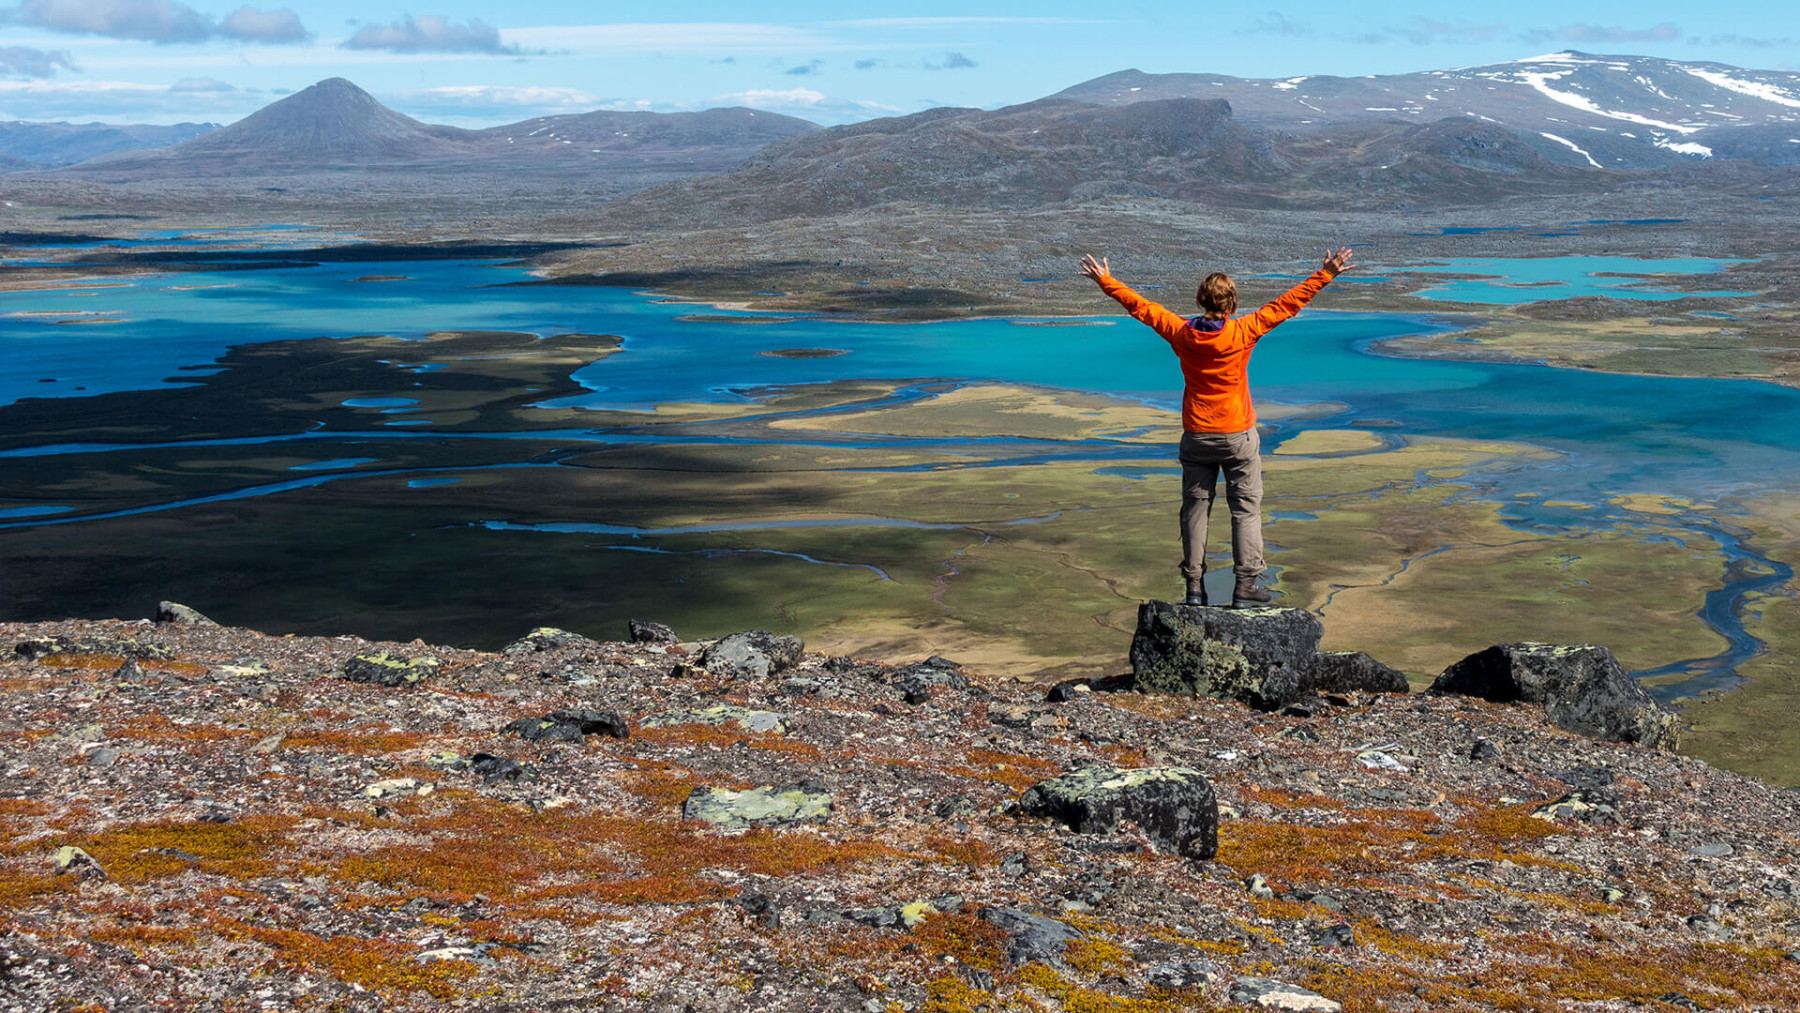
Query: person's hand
point(1338, 261)
point(1095, 269)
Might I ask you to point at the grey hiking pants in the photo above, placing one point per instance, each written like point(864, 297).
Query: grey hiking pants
point(1239, 456)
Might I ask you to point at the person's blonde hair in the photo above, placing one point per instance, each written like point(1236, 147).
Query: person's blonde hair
point(1218, 295)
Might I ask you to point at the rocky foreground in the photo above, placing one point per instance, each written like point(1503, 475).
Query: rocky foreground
point(204, 818)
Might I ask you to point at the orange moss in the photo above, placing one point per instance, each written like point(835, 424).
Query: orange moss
point(1095, 956)
point(1014, 770)
point(1076, 999)
point(158, 728)
point(110, 662)
point(17, 888)
point(953, 995)
point(698, 734)
point(136, 852)
point(965, 936)
point(968, 852)
point(791, 747)
point(140, 937)
point(386, 968)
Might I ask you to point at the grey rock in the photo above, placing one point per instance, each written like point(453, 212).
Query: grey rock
point(43, 647)
point(491, 768)
point(1174, 806)
point(1015, 865)
point(1581, 687)
point(1195, 972)
point(180, 615)
point(72, 860)
point(1586, 806)
point(1323, 900)
point(1259, 888)
point(105, 756)
point(754, 654)
point(954, 806)
point(1355, 672)
point(642, 631)
point(392, 670)
point(767, 806)
point(1258, 656)
point(1272, 994)
point(744, 717)
point(874, 917)
point(569, 726)
point(1585, 778)
point(1339, 935)
point(917, 680)
point(547, 638)
point(1035, 938)
point(1718, 849)
point(1682, 1001)
point(268, 743)
point(1070, 689)
point(130, 671)
point(1484, 751)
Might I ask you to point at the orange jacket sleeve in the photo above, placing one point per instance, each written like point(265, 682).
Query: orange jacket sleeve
point(1158, 317)
point(1283, 306)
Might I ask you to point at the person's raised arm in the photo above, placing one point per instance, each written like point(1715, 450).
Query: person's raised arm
point(1160, 319)
point(1285, 305)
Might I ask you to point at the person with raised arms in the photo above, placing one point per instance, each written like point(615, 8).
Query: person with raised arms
point(1218, 420)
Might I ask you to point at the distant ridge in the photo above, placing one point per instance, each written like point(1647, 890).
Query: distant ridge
point(335, 125)
point(39, 145)
point(1581, 109)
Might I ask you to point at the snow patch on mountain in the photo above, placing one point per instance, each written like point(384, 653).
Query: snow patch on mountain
point(1755, 89)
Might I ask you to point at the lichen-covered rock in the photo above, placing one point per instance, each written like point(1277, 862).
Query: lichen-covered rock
point(1581, 687)
point(1354, 672)
point(1035, 939)
point(180, 615)
point(1271, 994)
point(1174, 806)
point(917, 679)
point(384, 669)
point(645, 632)
point(753, 654)
point(767, 806)
point(1257, 656)
point(43, 647)
point(546, 638)
point(569, 726)
point(744, 717)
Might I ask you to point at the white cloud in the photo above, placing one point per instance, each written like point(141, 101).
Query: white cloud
point(24, 61)
point(121, 102)
point(504, 95)
point(806, 102)
point(248, 24)
point(431, 34)
point(197, 84)
point(952, 22)
point(769, 98)
point(158, 21)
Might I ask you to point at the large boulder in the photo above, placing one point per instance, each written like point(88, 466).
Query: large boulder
point(181, 615)
point(1032, 939)
point(1174, 806)
point(393, 670)
point(1354, 672)
point(546, 638)
point(1582, 687)
point(1258, 656)
point(767, 806)
point(753, 654)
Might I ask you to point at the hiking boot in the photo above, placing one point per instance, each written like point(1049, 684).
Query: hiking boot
point(1196, 592)
point(1247, 593)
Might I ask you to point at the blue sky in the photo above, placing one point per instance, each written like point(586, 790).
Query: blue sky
point(478, 64)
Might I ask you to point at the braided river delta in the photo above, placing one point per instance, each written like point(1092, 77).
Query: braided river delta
point(459, 449)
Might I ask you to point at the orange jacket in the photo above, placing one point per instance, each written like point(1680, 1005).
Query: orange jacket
point(1215, 363)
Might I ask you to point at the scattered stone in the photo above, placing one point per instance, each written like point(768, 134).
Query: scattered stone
point(70, 859)
point(1035, 938)
point(1259, 888)
point(767, 806)
point(1339, 935)
point(105, 756)
point(1272, 994)
point(1677, 999)
point(1354, 672)
point(392, 670)
point(642, 631)
point(954, 806)
point(1195, 972)
point(1484, 751)
point(392, 787)
point(1582, 688)
point(912, 914)
point(1375, 759)
point(491, 768)
point(754, 654)
point(130, 671)
point(569, 726)
point(1611, 894)
point(762, 909)
point(1325, 901)
point(1072, 689)
point(1015, 865)
point(180, 615)
point(1257, 656)
point(1716, 850)
point(749, 720)
point(547, 638)
point(1586, 806)
point(1298, 733)
point(268, 743)
point(918, 679)
point(44, 647)
point(1174, 806)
